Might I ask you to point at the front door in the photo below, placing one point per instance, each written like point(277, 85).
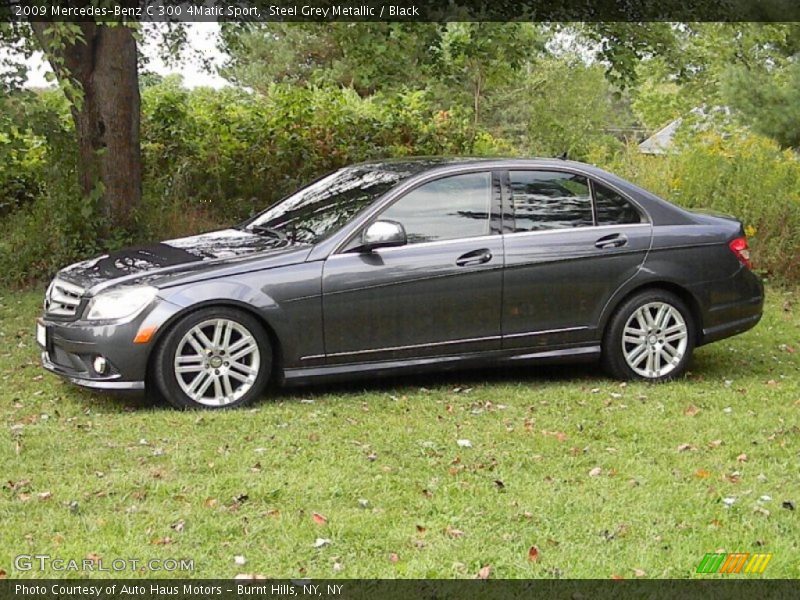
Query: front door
point(440, 294)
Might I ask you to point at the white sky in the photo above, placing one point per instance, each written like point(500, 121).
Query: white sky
point(202, 41)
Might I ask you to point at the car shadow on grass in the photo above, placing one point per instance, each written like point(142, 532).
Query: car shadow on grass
point(450, 379)
point(703, 367)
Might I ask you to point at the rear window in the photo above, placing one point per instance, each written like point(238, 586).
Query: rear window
point(613, 209)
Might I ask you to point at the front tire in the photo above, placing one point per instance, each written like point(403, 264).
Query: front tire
point(650, 338)
point(213, 358)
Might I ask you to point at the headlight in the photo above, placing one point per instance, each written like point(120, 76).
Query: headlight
point(121, 303)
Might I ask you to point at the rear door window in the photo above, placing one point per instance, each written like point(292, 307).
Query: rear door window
point(547, 200)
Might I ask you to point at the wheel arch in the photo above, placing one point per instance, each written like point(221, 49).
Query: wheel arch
point(670, 286)
point(160, 334)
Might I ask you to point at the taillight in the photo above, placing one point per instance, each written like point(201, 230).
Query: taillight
point(741, 250)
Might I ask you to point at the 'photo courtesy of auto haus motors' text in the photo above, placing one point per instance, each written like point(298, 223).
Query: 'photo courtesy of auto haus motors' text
point(399, 299)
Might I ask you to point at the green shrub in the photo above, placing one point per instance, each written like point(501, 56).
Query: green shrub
point(230, 153)
point(744, 175)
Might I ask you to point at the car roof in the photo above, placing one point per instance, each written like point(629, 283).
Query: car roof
point(416, 165)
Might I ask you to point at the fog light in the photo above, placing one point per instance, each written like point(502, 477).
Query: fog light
point(100, 365)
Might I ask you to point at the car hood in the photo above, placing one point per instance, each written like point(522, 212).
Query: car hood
point(164, 261)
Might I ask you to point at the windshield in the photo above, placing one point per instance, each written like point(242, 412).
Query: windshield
point(316, 211)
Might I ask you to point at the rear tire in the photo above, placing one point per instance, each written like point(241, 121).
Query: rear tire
point(650, 337)
point(213, 358)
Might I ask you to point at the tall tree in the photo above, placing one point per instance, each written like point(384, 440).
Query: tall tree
point(96, 65)
point(367, 57)
point(478, 57)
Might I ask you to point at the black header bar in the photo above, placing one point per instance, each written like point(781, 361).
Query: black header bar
point(400, 10)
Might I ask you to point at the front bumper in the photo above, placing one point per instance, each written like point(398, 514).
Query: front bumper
point(71, 348)
point(109, 383)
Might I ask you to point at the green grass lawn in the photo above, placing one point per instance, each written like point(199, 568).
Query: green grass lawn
point(604, 479)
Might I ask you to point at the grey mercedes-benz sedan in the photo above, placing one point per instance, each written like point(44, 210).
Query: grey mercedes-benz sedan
point(403, 265)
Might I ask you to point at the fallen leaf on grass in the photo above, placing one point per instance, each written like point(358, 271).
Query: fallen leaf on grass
point(18, 485)
point(44, 495)
point(559, 435)
point(321, 542)
point(691, 410)
point(453, 533)
point(249, 576)
point(761, 510)
point(734, 477)
point(319, 518)
point(715, 443)
point(533, 554)
point(178, 526)
point(702, 474)
point(639, 573)
point(464, 443)
point(3, 574)
point(165, 541)
point(393, 558)
point(94, 557)
point(595, 472)
point(484, 572)
point(686, 447)
point(742, 457)
point(615, 576)
point(239, 560)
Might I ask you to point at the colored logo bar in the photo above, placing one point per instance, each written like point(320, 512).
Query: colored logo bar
point(734, 562)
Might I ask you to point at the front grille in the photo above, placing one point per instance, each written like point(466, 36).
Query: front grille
point(62, 299)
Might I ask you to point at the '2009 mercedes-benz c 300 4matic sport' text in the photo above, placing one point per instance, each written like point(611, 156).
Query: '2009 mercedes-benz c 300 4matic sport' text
point(402, 265)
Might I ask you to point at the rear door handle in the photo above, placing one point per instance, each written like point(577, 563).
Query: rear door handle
point(615, 240)
point(476, 257)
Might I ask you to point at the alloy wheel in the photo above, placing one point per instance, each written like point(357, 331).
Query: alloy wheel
point(217, 362)
point(654, 340)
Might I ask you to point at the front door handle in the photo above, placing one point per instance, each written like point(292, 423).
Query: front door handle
point(476, 257)
point(615, 240)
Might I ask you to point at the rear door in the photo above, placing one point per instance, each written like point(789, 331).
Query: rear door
point(570, 243)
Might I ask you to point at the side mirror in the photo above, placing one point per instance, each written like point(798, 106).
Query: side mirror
point(383, 234)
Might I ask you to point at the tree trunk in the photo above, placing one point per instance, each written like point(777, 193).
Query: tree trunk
point(104, 67)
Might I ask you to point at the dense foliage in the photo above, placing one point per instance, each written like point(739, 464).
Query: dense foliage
point(307, 99)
